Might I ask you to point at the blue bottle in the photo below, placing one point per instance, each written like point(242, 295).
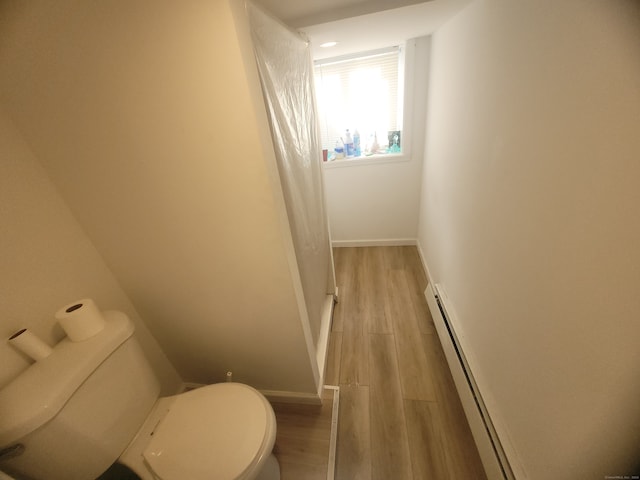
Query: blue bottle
point(348, 144)
point(356, 143)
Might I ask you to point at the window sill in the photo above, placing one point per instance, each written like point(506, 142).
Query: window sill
point(369, 160)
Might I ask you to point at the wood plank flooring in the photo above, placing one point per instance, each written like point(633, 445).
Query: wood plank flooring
point(400, 416)
point(303, 439)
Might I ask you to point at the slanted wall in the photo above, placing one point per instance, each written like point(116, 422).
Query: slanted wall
point(144, 116)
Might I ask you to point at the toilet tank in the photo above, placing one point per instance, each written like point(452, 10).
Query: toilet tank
point(71, 415)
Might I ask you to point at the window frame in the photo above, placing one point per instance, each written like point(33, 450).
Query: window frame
point(404, 69)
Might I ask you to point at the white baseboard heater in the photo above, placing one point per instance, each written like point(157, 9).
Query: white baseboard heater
point(491, 451)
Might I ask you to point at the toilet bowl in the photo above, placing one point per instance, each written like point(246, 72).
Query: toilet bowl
point(221, 431)
point(95, 403)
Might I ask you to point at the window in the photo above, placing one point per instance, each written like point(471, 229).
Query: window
point(362, 94)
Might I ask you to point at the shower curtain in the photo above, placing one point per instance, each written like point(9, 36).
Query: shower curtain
point(286, 73)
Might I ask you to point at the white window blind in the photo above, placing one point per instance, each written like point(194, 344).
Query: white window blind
point(359, 92)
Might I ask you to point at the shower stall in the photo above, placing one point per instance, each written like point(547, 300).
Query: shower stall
point(284, 62)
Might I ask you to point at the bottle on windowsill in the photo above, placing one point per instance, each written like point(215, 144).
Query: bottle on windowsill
point(374, 145)
point(348, 144)
point(339, 149)
point(356, 143)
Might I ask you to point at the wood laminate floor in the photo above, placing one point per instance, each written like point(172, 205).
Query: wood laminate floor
point(303, 439)
point(400, 417)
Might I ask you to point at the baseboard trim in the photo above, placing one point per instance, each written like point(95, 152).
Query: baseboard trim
point(383, 242)
point(292, 397)
point(273, 395)
point(423, 259)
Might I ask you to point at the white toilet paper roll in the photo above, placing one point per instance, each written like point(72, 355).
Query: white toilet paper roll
point(80, 320)
point(27, 342)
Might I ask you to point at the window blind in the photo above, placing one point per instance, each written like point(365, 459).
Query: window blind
point(358, 92)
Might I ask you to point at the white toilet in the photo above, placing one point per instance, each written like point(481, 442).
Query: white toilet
point(93, 403)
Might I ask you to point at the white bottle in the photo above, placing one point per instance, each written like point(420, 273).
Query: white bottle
point(339, 149)
point(374, 145)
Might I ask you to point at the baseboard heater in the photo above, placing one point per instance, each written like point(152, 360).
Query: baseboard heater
point(491, 451)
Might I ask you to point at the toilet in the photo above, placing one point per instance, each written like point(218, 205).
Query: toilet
point(94, 404)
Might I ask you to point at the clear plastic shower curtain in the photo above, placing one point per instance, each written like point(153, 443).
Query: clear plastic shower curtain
point(286, 73)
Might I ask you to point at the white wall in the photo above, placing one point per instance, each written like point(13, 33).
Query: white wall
point(148, 117)
point(529, 219)
point(47, 261)
point(373, 201)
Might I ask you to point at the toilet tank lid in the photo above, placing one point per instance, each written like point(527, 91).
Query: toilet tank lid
point(40, 392)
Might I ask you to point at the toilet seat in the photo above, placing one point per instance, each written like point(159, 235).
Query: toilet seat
point(222, 431)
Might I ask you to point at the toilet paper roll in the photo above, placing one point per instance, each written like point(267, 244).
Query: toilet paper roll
point(80, 320)
point(27, 342)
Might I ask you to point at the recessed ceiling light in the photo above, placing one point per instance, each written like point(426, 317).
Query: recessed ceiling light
point(328, 44)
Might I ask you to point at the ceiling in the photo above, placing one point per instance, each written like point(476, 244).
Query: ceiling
point(302, 13)
point(360, 25)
